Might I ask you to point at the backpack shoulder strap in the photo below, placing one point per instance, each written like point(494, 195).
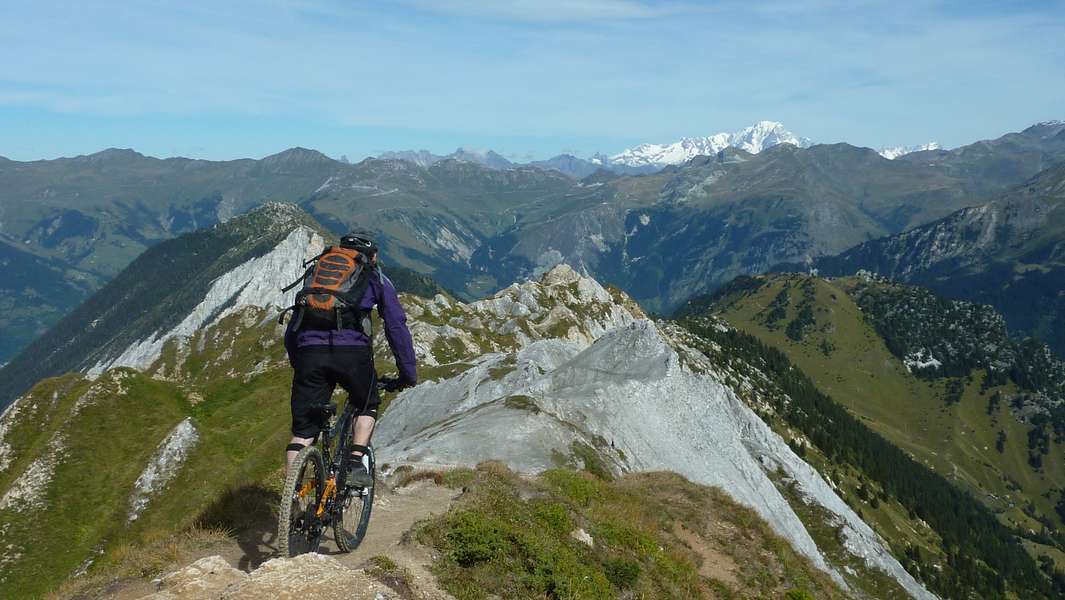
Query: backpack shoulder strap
point(311, 261)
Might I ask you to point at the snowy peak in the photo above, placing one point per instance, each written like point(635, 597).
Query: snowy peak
point(640, 159)
point(753, 139)
point(765, 134)
point(893, 152)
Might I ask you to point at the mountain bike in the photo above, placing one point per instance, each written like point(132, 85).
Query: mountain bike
point(316, 494)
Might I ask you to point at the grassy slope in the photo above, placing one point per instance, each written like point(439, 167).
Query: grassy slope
point(654, 535)
point(958, 441)
point(243, 424)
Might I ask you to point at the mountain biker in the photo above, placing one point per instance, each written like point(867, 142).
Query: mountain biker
point(322, 359)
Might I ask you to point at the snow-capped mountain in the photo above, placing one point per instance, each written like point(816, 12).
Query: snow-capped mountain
point(893, 152)
point(753, 139)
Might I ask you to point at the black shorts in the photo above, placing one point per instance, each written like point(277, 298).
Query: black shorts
point(318, 370)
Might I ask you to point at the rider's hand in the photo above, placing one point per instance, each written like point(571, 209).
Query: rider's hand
point(390, 384)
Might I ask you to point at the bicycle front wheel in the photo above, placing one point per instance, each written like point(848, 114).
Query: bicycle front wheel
point(299, 529)
point(354, 510)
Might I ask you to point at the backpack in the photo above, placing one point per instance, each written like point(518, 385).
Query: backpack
point(333, 286)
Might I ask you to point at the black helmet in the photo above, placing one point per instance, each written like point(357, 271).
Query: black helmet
point(361, 241)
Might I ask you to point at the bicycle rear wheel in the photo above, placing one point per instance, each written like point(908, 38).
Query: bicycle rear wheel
point(299, 530)
point(354, 508)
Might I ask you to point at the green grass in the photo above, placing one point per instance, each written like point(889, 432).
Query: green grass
point(957, 441)
point(144, 560)
point(654, 536)
point(225, 482)
point(87, 498)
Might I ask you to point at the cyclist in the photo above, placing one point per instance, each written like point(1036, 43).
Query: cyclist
point(322, 359)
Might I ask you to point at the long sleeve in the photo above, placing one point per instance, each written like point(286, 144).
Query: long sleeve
point(396, 331)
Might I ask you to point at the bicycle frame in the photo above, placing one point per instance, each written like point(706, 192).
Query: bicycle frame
point(337, 438)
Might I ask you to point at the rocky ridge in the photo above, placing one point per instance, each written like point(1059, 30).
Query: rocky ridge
point(256, 282)
point(613, 389)
point(543, 374)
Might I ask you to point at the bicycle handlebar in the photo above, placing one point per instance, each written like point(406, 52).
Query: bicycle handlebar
point(388, 384)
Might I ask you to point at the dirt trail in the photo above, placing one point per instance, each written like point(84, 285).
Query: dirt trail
point(395, 512)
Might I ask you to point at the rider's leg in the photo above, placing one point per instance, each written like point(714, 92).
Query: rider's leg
point(359, 381)
point(364, 425)
point(357, 378)
point(311, 387)
point(292, 450)
point(357, 473)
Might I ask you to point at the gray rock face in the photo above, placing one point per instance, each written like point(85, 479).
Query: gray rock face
point(626, 394)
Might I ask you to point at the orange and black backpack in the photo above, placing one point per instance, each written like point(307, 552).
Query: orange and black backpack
point(333, 286)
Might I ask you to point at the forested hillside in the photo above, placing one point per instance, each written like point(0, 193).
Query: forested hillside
point(933, 423)
point(1009, 253)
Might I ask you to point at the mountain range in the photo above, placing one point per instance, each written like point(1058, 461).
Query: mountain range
point(68, 226)
point(648, 157)
point(670, 235)
point(638, 160)
point(753, 139)
point(1009, 253)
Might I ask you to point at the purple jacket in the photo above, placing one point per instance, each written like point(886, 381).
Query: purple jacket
point(379, 292)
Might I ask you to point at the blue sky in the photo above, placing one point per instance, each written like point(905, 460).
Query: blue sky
point(529, 79)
